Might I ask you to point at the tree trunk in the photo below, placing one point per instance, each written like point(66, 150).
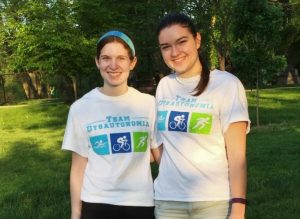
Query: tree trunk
point(257, 98)
point(74, 84)
point(221, 58)
point(2, 82)
point(37, 83)
point(28, 86)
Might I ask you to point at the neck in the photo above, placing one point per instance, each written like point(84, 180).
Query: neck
point(114, 91)
point(194, 71)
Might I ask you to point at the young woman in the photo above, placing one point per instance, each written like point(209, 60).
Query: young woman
point(109, 131)
point(203, 121)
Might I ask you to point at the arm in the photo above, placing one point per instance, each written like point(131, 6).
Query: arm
point(156, 153)
point(235, 139)
point(151, 157)
point(76, 178)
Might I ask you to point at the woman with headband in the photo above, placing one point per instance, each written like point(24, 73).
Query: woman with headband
point(110, 133)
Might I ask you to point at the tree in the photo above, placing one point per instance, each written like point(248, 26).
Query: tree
point(220, 29)
point(43, 42)
point(213, 18)
point(257, 32)
point(290, 35)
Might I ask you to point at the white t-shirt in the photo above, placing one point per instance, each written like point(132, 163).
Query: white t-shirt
point(194, 166)
point(115, 134)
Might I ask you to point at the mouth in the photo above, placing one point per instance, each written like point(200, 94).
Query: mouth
point(179, 59)
point(114, 74)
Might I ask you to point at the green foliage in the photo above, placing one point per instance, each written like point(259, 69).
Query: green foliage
point(256, 30)
point(57, 38)
point(14, 91)
point(293, 26)
point(42, 35)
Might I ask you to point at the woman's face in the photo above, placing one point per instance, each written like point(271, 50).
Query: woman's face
point(179, 49)
point(114, 64)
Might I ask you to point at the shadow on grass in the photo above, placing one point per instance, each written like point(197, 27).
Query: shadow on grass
point(34, 182)
point(53, 114)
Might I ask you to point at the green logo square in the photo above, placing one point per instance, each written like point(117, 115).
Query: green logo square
point(140, 141)
point(200, 123)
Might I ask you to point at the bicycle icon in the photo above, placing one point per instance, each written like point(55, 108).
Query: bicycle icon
point(178, 123)
point(122, 144)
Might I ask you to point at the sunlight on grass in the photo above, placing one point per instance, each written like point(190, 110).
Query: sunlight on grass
point(34, 172)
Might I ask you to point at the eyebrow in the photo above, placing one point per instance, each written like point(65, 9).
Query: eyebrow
point(111, 56)
point(104, 55)
point(181, 38)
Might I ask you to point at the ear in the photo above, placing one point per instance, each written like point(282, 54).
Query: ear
point(133, 63)
point(198, 40)
point(97, 62)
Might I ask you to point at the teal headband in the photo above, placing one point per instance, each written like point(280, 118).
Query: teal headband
point(122, 36)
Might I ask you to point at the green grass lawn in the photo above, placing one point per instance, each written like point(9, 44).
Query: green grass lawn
point(33, 169)
point(274, 155)
point(34, 172)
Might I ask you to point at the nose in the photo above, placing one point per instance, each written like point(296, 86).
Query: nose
point(174, 50)
point(113, 64)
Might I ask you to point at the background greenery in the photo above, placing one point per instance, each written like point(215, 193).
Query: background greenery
point(55, 39)
point(34, 172)
point(51, 43)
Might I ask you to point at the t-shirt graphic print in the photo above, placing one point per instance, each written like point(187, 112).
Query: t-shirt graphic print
point(120, 143)
point(191, 122)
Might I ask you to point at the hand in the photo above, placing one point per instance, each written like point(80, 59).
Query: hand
point(237, 211)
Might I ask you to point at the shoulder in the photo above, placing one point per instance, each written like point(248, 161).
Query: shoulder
point(141, 101)
point(168, 79)
point(139, 95)
point(224, 78)
point(83, 101)
point(223, 75)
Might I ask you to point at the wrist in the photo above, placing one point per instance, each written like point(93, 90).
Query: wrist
point(239, 200)
point(238, 210)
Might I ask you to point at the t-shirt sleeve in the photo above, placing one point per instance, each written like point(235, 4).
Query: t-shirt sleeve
point(74, 138)
point(234, 107)
point(156, 139)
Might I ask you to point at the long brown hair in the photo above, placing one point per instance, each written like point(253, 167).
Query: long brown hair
point(185, 21)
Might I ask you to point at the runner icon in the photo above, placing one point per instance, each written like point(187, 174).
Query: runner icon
point(201, 122)
point(142, 141)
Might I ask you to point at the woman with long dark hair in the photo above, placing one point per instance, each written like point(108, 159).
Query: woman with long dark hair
point(203, 120)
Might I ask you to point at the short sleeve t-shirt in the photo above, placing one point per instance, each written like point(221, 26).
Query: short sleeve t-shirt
point(194, 166)
point(115, 134)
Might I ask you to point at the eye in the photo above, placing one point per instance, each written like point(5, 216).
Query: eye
point(165, 47)
point(181, 42)
point(105, 58)
point(122, 58)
